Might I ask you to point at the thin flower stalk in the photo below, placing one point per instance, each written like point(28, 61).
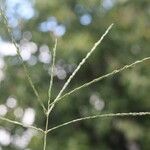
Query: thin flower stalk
point(20, 124)
point(132, 114)
point(20, 57)
point(101, 78)
point(52, 72)
point(49, 94)
point(80, 65)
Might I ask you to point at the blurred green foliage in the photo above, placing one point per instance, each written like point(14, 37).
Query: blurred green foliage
point(128, 41)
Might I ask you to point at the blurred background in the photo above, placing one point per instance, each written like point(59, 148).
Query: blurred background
point(77, 24)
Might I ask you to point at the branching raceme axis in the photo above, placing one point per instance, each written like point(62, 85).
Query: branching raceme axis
point(50, 104)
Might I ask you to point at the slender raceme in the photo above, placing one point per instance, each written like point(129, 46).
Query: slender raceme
point(19, 55)
point(20, 124)
point(134, 114)
point(80, 65)
point(52, 72)
point(101, 78)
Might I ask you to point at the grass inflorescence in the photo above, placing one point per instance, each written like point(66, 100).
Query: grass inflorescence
point(50, 104)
